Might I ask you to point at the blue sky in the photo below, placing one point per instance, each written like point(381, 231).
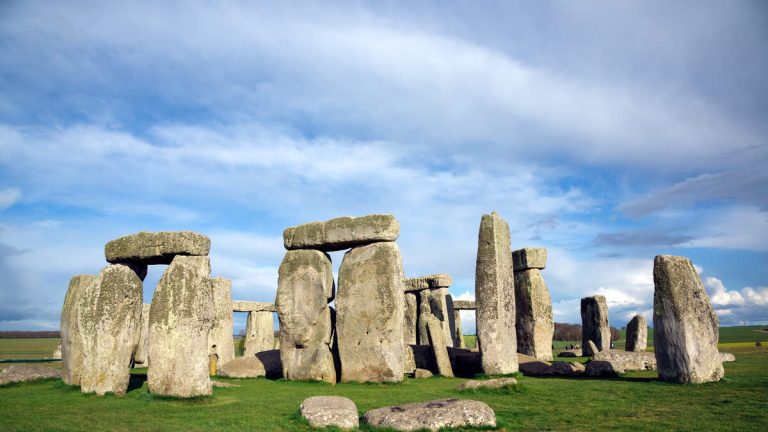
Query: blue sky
point(606, 132)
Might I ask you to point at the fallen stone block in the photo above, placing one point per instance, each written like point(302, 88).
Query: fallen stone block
point(330, 411)
point(26, 373)
point(432, 415)
point(495, 383)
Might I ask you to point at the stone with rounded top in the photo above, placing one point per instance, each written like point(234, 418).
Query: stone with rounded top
point(529, 258)
point(342, 233)
point(432, 415)
point(330, 411)
point(71, 328)
point(441, 280)
point(156, 247)
point(637, 334)
point(495, 297)
point(180, 320)
point(685, 326)
point(594, 324)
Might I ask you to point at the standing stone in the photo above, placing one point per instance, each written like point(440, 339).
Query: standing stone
point(71, 339)
point(180, 320)
point(495, 292)
point(141, 358)
point(458, 336)
point(685, 327)
point(439, 306)
point(637, 334)
point(594, 324)
point(370, 305)
point(535, 325)
point(116, 324)
point(305, 283)
point(452, 340)
point(221, 337)
point(425, 311)
point(410, 325)
point(259, 333)
point(439, 348)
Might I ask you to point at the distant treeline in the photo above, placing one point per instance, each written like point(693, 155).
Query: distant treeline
point(572, 332)
point(28, 334)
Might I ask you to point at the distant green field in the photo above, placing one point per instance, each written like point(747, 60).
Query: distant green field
point(727, 335)
point(37, 348)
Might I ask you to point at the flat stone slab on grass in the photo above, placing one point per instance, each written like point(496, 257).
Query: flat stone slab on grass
point(156, 247)
point(25, 373)
point(422, 373)
point(342, 233)
point(628, 360)
point(432, 415)
point(487, 384)
point(570, 353)
point(602, 368)
point(325, 411)
point(441, 280)
point(242, 367)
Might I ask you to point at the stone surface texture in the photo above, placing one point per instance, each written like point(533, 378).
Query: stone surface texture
point(458, 336)
point(594, 324)
point(432, 415)
point(727, 357)
point(305, 283)
point(252, 306)
point(242, 367)
point(535, 325)
point(439, 347)
point(156, 247)
point(441, 280)
point(116, 327)
point(370, 308)
point(141, 357)
point(27, 372)
point(438, 302)
point(637, 334)
point(71, 338)
point(495, 383)
point(464, 305)
point(529, 258)
point(259, 333)
point(686, 328)
point(342, 233)
point(330, 411)
point(495, 297)
point(411, 318)
point(602, 368)
point(220, 341)
point(424, 312)
point(180, 320)
point(422, 373)
point(628, 360)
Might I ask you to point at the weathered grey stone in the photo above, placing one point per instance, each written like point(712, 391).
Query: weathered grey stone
point(602, 368)
point(410, 323)
point(464, 305)
point(329, 411)
point(441, 280)
point(727, 357)
point(451, 318)
point(409, 361)
point(180, 320)
point(570, 353)
point(637, 334)
point(422, 373)
point(141, 357)
point(591, 347)
point(116, 327)
point(529, 258)
point(438, 303)
point(532, 366)
point(425, 311)
point(432, 415)
point(495, 297)
point(252, 306)
point(305, 283)
point(458, 337)
point(628, 360)
point(71, 337)
point(423, 357)
point(342, 233)
point(220, 341)
point(578, 367)
point(222, 384)
point(56, 355)
point(594, 324)
point(439, 347)
point(259, 333)
point(535, 326)
point(685, 327)
point(369, 306)
point(26, 373)
point(560, 368)
point(495, 383)
point(242, 367)
point(156, 247)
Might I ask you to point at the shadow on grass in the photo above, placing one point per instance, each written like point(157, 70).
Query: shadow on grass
point(136, 381)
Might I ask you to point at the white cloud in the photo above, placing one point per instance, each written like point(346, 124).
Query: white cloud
point(718, 295)
point(735, 307)
point(758, 296)
point(9, 197)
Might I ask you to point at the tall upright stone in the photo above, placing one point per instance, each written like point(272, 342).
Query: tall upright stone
point(432, 292)
point(495, 297)
point(304, 288)
point(535, 325)
point(637, 334)
point(259, 333)
point(116, 327)
point(454, 325)
point(410, 325)
point(71, 339)
point(594, 324)
point(180, 320)
point(425, 311)
point(458, 335)
point(370, 312)
point(685, 327)
point(141, 358)
point(220, 338)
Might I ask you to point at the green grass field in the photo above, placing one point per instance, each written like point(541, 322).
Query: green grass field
point(635, 401)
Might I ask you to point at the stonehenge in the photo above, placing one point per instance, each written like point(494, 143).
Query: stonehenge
point(495, 297)
point(71, 328)
point(141, 358)
point(430, 295)
point(221, 345)
point(534, 322)
point(637, 334)
point(342, 233)
point(685, 327)
point(458, 306)
point(594, 324)
point(259, 327)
